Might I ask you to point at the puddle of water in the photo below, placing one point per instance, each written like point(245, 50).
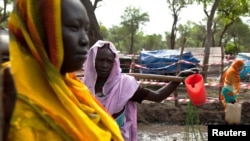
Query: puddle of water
point(147, 136)
point(161, 132)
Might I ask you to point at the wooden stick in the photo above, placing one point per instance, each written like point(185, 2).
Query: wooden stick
point(179, 69)
point(157, 77)
point(1, 103)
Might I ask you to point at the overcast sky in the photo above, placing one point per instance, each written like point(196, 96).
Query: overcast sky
point(110, 11)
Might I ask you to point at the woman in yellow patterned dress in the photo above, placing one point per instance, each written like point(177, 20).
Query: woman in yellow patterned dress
point(48, 43)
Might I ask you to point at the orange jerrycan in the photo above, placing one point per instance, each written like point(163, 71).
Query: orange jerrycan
point(196, 89)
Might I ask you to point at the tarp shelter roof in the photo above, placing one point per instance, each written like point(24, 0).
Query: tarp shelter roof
point(165, 61)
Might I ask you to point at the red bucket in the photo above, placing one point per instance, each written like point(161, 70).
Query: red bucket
point(196, 89)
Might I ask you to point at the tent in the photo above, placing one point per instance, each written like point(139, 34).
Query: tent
point(165, 62)
point(245, 73)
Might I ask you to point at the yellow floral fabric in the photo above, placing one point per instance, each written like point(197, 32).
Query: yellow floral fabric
point(50, 106)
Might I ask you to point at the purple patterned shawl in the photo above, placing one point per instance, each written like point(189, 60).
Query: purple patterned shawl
point(118, 89)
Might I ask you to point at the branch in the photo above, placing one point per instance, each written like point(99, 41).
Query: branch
point(95, 4)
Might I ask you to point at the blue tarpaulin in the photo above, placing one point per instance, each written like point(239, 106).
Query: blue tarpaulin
point(165, 61)
point(244, 73)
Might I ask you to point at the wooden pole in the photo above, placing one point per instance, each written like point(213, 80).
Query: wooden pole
point(179, 69)
point(156, 77)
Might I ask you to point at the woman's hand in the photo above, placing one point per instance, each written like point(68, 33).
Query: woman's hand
point(186, 73)
point(9, 99)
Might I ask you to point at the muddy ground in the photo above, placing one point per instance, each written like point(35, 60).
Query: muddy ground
point(165, 121)
point(167, 113)
point(168, 118)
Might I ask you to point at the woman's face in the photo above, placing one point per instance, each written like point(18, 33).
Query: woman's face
point(104, 62)
point(240, 68)
point(75, 24)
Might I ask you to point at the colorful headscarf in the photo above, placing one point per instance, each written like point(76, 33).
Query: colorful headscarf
point(50, 106)
point(231, 75)
point(118, 89)
point(231, 83)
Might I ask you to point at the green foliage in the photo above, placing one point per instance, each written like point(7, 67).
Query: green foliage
point(239, 32)
point(119, 36)
point(104, 31)
point(230, 11)
point(132, 19)
point(193, 124)
point(152, 42)
point(235, 38)
point(233, 8)
point(231, 48)
point(205, 3)
point(194, 33)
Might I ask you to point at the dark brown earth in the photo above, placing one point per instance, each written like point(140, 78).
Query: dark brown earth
point(168, 114)
point(209, 113)
point(165, 120)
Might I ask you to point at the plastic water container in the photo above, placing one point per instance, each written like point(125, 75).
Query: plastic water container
point(196, 89)
point(233, 113)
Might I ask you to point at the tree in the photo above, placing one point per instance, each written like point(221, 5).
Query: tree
point(175, 6)
point(94, 30)
point(208, 41)
point(193, 32)
point(239, 33)
point(118, 34)
point(104, 31)
point(153, 42)
point(229, 12)
point(131, 20)
point(209, 32)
